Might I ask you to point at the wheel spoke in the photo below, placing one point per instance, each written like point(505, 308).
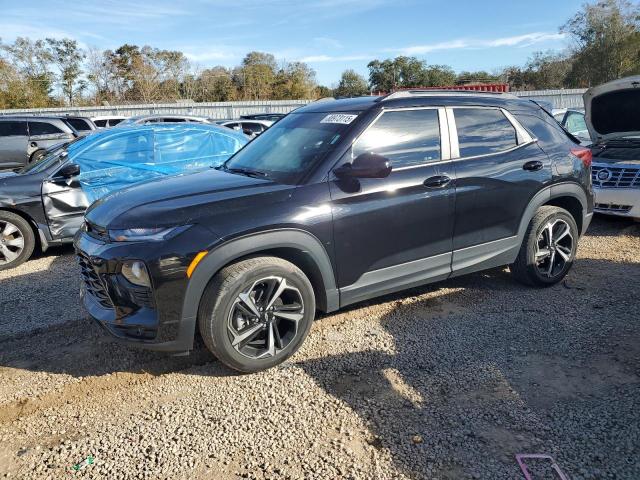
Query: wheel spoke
point(565, 231)
point(9, 228)
point(247, 335)
point(276, 334)
point(549, 229)
point(248, 301)
point(271, 342)
point(564, 252)
point(293, 316)
point(15, 242)
point(281, 288)
point(552, 262)
point(9, 255)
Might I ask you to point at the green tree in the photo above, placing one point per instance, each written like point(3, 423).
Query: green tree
point(351, 84)
point(68, 57)
point(606, 42)
point(27, 73)
point(256, 76)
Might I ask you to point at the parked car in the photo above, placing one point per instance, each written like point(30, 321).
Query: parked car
point(572, 119)
point(82, 125)
point(270, 117)
point(142, 119)
point(24, 139)
point(336, 203)
point(107, 121)
point(47, 199)
point(252, 128)
point(613, 119)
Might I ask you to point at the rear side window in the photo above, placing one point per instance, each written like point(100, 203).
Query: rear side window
point(43, 128)
point(10, 129)
point(406, 138)
point(174, 120)
point(252, 127)
point(78, 124)
point(100, 123)
point(482, 131)
point(114, 121)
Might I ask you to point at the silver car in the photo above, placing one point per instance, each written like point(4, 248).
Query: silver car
point(613, 120)
point(162, 118)
point(26, 139)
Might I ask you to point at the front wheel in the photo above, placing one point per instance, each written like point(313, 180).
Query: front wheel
point(548, 248)
point(17, 240)
point(256, 313)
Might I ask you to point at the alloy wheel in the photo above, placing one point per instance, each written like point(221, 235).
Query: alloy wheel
point(554, 248)
point(11, 242)
point(264, 318)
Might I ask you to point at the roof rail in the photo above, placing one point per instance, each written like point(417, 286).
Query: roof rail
point(436, 92)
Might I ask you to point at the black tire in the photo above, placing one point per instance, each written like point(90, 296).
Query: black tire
point(8, 240)
point(215, 316)
point(37, 155)
point(550, 270)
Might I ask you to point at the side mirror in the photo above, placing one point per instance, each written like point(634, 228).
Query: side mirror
point(366, 165)
point(69, 170)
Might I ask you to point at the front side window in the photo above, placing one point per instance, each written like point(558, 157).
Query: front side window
point(43, 128)
point(483, 131)
point(100, 123)
point(11, 129)
point(293, 146)
point(251, 127)
point(405, 137)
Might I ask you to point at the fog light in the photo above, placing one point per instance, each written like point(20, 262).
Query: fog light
point(136, 272)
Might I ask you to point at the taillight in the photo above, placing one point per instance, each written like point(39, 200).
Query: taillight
point(583, 154)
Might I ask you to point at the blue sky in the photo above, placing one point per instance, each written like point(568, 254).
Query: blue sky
point(330, 35)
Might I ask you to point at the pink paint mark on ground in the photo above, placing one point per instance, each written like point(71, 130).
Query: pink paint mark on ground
point(520, 457)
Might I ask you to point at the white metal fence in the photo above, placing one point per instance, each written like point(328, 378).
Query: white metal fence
point(570, 98)
point(215, 110)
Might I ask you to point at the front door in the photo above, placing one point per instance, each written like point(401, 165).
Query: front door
point(395, 232)
point(118, 161)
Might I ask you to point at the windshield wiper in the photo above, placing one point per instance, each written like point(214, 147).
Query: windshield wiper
point(243, 171)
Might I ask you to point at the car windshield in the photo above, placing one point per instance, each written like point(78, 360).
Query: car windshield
point(292, 147)
point(54, 155)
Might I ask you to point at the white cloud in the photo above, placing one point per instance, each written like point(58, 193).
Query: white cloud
point(515, 41)
point(326, 42)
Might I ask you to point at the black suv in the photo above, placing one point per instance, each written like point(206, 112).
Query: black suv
point(336, 203)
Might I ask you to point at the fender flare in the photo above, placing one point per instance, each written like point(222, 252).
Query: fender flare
point(549, 193)
point(257, 242)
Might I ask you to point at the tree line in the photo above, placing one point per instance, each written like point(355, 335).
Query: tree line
point(604, 45)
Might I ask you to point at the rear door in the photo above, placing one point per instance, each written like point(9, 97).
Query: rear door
point(499, 168)
point(390, 232)
point(13, 143)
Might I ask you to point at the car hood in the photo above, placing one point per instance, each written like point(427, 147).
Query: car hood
point(173, 200)
point(612, 109)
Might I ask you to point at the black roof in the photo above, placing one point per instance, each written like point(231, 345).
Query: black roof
point(427, 98)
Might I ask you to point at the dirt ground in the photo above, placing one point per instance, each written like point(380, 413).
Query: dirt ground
point(446, 381)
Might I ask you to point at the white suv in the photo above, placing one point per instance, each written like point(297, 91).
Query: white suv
point(613, 119)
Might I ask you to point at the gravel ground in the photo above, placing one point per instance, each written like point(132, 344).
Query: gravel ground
point(446, 381)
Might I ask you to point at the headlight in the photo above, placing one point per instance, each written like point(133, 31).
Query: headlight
point(145, 234)
point(136, 272)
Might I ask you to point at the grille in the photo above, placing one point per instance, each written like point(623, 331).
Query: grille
point(612, 207)
point(616, 177)
point(93, 283)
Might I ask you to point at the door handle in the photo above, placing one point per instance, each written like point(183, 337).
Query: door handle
point(436, 181)
point(533, 166)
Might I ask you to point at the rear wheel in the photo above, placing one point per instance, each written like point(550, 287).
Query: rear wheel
point(548, 249)
point(17, 240)
point(37, 155)
point(256, 313)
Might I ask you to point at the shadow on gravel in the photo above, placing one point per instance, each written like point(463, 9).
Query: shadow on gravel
point(524, 371)
point(612, 226)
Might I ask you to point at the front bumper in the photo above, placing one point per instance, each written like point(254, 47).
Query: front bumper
point(623, 202)
point(150, 319)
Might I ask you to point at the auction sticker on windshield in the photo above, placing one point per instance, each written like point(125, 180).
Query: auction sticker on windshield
point(343, 118)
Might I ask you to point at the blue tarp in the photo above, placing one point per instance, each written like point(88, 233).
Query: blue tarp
point(117, 158)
